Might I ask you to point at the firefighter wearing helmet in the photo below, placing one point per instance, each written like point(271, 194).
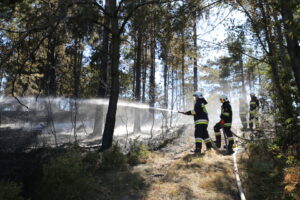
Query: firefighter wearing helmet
point(201, 122)
point(225, 124)
point(254, 107)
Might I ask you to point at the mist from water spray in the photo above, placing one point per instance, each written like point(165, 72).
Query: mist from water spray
point(122, 103)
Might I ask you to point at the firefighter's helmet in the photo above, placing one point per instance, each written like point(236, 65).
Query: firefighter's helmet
point(223, 96)
point(198, 95)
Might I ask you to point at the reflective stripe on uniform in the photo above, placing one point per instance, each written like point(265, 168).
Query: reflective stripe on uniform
point(253, 103)
point(230, 138)
point(204, 108)
point(227, 124)
point(218, 133)
point(201, 121)
point(207, 140)
point(199, 140)
point(226, 113)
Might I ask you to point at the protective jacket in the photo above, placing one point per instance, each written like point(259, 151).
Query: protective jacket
point(254, 104)
point(199, 112)
point(226, 114)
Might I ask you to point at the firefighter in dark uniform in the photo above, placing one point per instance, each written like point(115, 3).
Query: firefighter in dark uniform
point(254, 107)
point(201, 122)
point(243, 112)
point(225, 124)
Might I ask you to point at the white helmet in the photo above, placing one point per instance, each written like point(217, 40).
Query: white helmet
point(223, 96)
point(198, 94)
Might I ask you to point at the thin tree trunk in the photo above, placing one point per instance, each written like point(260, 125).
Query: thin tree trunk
point(52, 58)
point(172, 96)
point(144, 76)
point(137, 124)
point(183, 67)
point(152, 68)
point(243, 77)
point(166, 83)
point(195, 54)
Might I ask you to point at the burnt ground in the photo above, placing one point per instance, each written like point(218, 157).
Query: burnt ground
point(172, 172)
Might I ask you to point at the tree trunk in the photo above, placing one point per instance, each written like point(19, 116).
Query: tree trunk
point(51, 72)
point(273, 63)
point(102, 90)
point(166, 83)
point(243, 77)
point(144, 77)
point(137, 94)
point(107, 138)
point(195, 54)
point(183, 67)
point(152, 68)
point(287, 11)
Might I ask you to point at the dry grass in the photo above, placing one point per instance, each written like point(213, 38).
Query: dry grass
point(206, 177)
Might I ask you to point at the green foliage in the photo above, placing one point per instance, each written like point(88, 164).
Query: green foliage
point(113, 159)
point(10, 191)
point(65, 177)
point(138, 153)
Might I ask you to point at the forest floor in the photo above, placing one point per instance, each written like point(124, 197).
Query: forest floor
point(175, 172)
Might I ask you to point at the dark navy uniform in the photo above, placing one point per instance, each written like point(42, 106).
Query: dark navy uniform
point(201, 123)
point(254, 107)
point(225, 123)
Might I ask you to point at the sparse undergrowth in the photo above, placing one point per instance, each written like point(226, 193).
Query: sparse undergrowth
point(10, 191)
point(270, 174)
point(77, 174)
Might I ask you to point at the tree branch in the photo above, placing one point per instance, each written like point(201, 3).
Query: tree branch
point(254, 26)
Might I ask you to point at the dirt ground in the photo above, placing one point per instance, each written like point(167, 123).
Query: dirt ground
point(174, 172)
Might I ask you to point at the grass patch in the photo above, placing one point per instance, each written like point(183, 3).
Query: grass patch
point(268, 173)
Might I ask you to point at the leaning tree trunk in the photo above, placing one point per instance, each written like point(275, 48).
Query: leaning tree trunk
point(107, 138)
point(99, 117)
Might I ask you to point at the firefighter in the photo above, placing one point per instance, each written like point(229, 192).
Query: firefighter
point(201, 122)
point(225, 124)
point(243, 113)
point(254, 107)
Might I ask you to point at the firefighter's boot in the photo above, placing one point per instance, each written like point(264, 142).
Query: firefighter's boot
point(198, 147)
point(230, 150)
point(208, 145)
point(218, 140)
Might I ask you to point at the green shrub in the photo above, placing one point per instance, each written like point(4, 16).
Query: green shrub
point(65, 177)
point(113, 159)
point(138, 153)
point(10, 191)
